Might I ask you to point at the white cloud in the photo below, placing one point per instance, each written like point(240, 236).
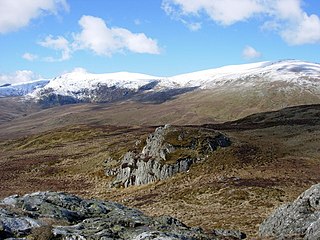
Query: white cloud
point(15, 14)
point(250, 53)
point(99, 38)
point(80, 70)
point(19, 77)
point(224, 12)
point(293, 24)
point(29, 56)
point(286, 17)
point(305, 31)
point(59, 43)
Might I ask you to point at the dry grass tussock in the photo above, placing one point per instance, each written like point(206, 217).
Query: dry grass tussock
point(237, 187)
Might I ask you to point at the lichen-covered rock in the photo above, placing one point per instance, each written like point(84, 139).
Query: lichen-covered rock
point(297, 220)
point(12, 224)
point(230, 234)
point(68, 217)
point(156, 146)
point(169, 150)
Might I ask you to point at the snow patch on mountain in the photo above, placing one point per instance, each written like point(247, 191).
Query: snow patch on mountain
point(290, 71)
point(81, 85)
point(21, 89)
point(77, 81)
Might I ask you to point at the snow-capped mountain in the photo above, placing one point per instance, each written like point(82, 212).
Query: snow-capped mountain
point(81, 86)
point(290, 71)
point(76, 81)
point(21, 89)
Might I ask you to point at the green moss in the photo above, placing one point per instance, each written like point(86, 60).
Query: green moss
point(181, 137)
point(181, 153)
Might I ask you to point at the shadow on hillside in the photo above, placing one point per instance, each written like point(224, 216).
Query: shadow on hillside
point(162, 96)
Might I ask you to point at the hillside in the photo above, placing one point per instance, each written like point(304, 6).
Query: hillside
point(272, 158)
point(209, 96)
point(283, 78)
point(46, 143)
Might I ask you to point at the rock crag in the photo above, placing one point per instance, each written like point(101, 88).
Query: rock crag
point(168, 151)
point(297, 220)
point(51, 215)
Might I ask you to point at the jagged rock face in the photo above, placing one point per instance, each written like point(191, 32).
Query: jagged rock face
point(297, 220)
point(67, 217)
point(169, 150)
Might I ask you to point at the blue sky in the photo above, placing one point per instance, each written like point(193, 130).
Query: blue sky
point(45, 38)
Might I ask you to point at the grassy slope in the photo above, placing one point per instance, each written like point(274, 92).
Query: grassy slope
point(14, 107)
point(267, 165)
point(198, 107)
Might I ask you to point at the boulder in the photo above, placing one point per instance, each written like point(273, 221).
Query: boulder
point(52, 215)
point(297, 220)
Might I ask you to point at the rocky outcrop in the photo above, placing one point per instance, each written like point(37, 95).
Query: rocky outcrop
point(169, 150)
point(297, 220)
point(51, 215)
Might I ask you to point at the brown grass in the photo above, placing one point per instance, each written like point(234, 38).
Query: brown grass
point(237, 187)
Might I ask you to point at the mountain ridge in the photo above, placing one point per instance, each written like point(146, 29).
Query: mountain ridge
point(21, 89)
point(269, 86)
point(243, 75)
point(81, 86)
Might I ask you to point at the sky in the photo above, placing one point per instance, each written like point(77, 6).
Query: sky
point(46, 38)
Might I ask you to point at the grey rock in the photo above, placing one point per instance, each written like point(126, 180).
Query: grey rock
point(158, 236)
point(168, 151)
point(231, 234)
point(12, 224)
point(11, 200)
point(87, 219)
point(156, 146)
point(297, 220)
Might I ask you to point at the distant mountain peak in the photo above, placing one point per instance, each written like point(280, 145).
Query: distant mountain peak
point(261, 77)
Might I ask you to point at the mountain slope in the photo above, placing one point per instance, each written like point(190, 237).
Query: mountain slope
point(21, 89)
point(215, 95)
point(266, 165)
point(251, 75)
point(283, 76)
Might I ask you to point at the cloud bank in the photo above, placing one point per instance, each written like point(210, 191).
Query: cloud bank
point(286, 17)
point(100, 39)
point(103, 40)
point(57, 43)
point(19, 77)
point(15, 14)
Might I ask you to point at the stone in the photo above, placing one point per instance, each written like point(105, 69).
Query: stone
point(168, 151)
point(87, 219)
point(12, 224)
point(297, 220)
point(231, 234)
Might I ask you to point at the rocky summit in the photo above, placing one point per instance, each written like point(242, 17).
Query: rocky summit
point(168, 151)
point(297, 220)
point(52, 215)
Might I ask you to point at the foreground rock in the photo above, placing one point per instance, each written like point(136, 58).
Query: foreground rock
point(169, 150)
point(297, 220)
point(51, 215)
